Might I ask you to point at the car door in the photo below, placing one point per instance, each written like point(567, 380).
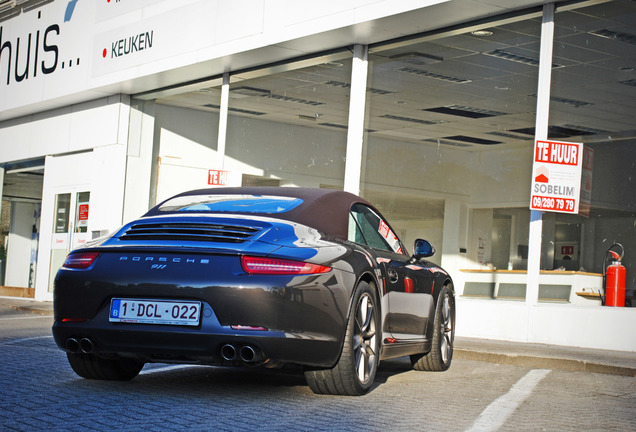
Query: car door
point(407, 300)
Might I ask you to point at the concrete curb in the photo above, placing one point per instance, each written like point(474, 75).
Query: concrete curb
point(33, 310)
point(543, 362)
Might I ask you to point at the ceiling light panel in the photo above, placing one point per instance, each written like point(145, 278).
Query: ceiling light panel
point(465, 111)
point(616, 35)
point(249, 92)
point(347, 85)
point(573, 102)
point(445, 142)
point(411, 120)
point(517, 58)
point(472, 140)
point(237, 110)
point(417, 58)
point(292, 99)
point(433, 75)
point(507, 135)
point(557, 132)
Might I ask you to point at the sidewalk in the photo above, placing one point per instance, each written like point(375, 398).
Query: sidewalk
point(545, 356)
point(532, 355)
point(11, 305)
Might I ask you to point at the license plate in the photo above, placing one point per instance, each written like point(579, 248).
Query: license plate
point(165, 312)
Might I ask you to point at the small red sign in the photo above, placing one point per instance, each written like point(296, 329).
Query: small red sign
point(384, 230)
point(556, 178)
point(82, 212)
point(567, 250)
point(217, 177)
point(560, 153)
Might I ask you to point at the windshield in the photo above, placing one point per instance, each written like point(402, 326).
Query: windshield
point(231, 204)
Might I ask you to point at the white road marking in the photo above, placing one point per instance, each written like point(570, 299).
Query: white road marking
point(26, 317)
point(500, 409)
point(12, 341)
point(166, 369)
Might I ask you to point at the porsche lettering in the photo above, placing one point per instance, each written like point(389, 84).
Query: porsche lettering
point(164, 259)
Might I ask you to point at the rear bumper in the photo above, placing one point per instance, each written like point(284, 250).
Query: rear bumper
point(202, 344)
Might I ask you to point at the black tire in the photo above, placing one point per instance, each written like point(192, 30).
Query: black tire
point(90, 366)
point(355, 371)
point(441, 354)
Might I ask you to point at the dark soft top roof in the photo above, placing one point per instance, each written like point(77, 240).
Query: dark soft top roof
point(323, 209)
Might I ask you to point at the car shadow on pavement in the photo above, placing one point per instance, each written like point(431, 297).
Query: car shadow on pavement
point(391, 368)
point(190, 381)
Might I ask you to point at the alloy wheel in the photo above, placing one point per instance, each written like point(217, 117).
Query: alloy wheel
point(446, 325)
point(364, 339)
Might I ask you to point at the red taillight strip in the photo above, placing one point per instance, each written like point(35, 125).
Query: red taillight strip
point(80, 260)
point(244, 327)
point(275, 266)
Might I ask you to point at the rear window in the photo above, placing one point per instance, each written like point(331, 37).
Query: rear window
point(267, 204)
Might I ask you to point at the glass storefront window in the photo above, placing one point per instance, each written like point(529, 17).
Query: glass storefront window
point(592, 102)
point(290, 128)
point(286, 126)
point(62, 213)
point(446, 133)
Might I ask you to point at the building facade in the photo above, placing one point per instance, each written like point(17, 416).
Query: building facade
point(430, 109)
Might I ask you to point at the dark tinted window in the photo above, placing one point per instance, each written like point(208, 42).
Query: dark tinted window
point(367, 227)
point(263, 204)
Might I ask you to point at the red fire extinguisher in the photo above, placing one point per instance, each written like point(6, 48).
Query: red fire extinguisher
point(614, 276)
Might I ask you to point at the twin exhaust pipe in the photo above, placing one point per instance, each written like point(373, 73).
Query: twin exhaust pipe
point(84, 345)
point(246, 353)
point(229, 352)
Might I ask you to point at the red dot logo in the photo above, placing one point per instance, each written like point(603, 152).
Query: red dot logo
point(104, 53)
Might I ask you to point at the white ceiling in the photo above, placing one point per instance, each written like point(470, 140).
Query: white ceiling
point(495, 76)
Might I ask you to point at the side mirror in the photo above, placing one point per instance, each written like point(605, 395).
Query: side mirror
point(422, 249)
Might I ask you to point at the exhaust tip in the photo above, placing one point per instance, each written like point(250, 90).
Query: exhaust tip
point(228, 352)
point(86, 345)
point(72, 345)
point(248, 354)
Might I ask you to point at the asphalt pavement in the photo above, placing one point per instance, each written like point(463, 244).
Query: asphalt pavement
point(501, 352)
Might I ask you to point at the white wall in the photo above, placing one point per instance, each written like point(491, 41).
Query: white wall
point(85, 149)
point(74, 128)
point(578, 326)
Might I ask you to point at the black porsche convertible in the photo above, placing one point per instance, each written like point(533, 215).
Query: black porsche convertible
point(257, 276)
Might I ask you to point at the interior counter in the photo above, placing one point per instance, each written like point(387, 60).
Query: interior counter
point(574, 287)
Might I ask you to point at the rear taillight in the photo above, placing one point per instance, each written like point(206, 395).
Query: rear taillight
point(275, 266)
point(80, 260)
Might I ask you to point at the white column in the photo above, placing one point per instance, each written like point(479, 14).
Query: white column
point(451, 236)
point(357, 100)
point(140, 187)
point(1, 191)
point(1, 185)
point(225, 99)
point(541, 133)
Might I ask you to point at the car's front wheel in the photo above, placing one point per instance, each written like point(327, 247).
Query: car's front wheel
point(441, 354)
point(92, 367)
point(355, 371)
